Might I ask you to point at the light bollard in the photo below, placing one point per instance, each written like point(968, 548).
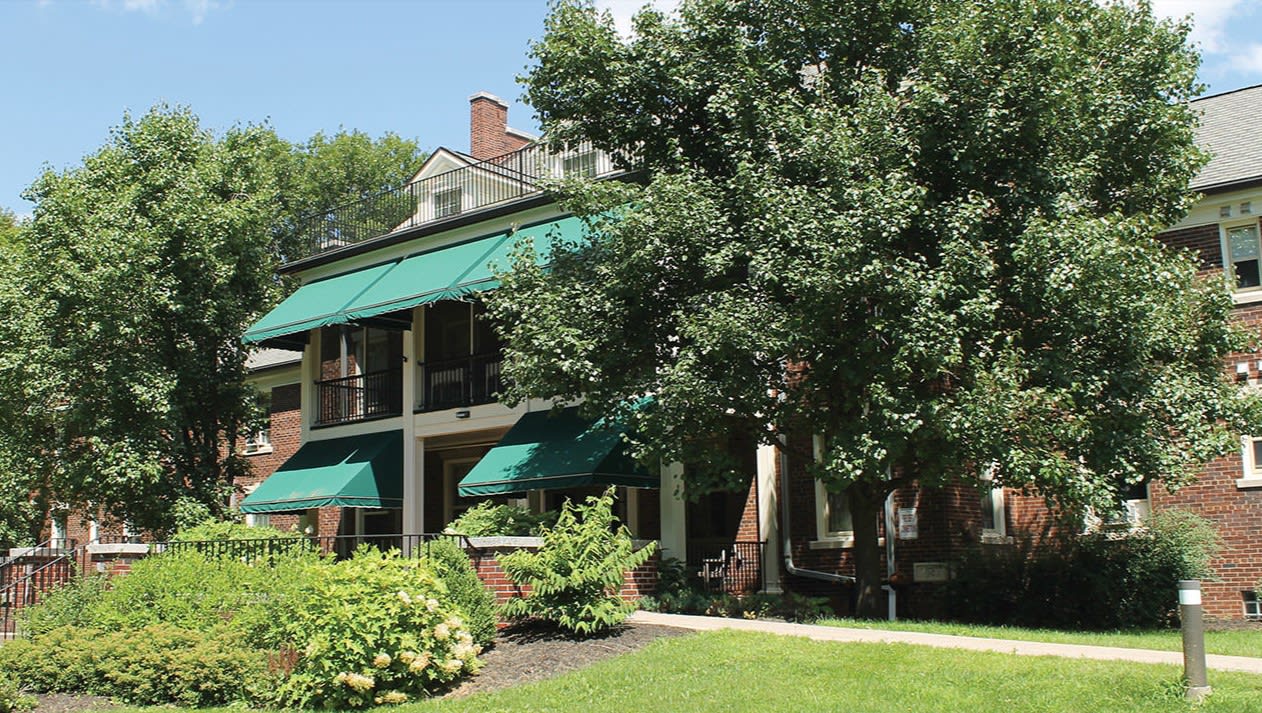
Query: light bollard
point(1193, 626)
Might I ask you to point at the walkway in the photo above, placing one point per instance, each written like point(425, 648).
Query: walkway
point(1006, 646)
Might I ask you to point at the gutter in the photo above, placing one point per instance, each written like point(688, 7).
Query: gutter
point(786, 530)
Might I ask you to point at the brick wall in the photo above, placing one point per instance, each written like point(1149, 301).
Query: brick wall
point(637, 583)
point(488, 128)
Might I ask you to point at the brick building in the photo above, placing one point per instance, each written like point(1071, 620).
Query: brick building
point(380, 377)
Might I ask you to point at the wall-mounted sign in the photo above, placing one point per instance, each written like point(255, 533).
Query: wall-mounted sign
point(907, 527)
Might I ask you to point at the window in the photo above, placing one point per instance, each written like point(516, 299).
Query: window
point(446, 202)
point(57, 535)
point(994, 514)
point(832, 514)
point(1252, 606)
point(258, 520)
point(579, 164)
point(1244, 252)
point(1251, 458)
point(259, 440)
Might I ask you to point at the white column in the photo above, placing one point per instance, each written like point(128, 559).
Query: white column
point(769, 516)
point(414, 486)
point(674, 513)
point(308, 373)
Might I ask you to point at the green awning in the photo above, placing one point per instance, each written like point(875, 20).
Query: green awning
point(548, 451)
point(356, 471)
point(447, 272)
point(316, 304)
point(454, 271)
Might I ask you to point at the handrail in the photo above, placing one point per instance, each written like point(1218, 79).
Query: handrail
point(479, 185)
point(461, 381)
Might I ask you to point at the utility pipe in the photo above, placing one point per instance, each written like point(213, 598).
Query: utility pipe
point(786, 530)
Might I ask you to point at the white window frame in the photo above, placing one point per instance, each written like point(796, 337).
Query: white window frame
point(825, 538)
point(1252, 607)
point(1250, 476)
point(258, 442)
point(1229, 270)
point(444, 206)
point(999, 515)
point(57, 531)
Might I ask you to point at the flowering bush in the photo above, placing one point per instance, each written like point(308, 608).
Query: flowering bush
point(375, 629)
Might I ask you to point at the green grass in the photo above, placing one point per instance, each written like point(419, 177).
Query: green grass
point(741, 671)
point(1247, 642)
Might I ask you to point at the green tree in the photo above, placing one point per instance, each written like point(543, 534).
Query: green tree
point(921, 230)
point(122, 373)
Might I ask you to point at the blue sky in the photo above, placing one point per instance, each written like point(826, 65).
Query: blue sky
point(70, 68)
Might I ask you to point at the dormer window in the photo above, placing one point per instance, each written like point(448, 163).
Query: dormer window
point(447, 202)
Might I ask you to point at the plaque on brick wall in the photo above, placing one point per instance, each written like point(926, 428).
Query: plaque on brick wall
point(907, 526)
point(930, 572)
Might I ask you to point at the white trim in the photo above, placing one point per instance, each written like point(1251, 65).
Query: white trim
point(1239, 295)
point(827, 538)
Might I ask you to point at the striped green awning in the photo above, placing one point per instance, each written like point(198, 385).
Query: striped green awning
point(546, 450)
point(356, 471)
point(447, 272)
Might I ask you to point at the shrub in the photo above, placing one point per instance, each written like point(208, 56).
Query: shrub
point(71, 604)
point(12, 700)
point(1099, 580)
point(189, 512)
point(228, 531)
point(486, 519)
point(452, 566)
point(193, 590)
point(155, 665)
point(575, 576)
point(374, 629)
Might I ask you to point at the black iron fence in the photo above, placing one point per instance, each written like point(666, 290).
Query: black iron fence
point(479, 185)
point(27, 578)
point(465, 381)
point(727, 566)
point(377, 394)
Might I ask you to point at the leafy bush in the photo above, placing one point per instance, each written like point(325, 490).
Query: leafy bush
point(486, 519)
point(575, 576)
point(154, 665)
point(1099, 580)
point(72, 604)
point(452, 566)
point(374, 629)
point(200, 591)
point(12, 700)
point(189, 512)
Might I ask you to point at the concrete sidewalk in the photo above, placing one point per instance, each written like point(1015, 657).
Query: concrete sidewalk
point(1004, 646)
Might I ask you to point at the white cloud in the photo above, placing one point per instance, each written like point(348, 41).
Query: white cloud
point(1210, 19)
point(622, 10)
point(1249, 60)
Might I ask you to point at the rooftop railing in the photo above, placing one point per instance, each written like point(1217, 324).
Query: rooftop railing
point(478, 186)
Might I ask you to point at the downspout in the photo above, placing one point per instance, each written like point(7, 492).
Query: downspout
point(786, 530)
point(890, 566)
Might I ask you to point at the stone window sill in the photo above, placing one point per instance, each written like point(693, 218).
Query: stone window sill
point(837, 543)
point(260, 451)
point(1249, 483)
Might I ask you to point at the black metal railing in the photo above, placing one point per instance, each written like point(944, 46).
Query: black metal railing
point(339, 546)
point(378, 394)
point(465, 381)
point(480, 185)
point(28, 577)
point(727, 566)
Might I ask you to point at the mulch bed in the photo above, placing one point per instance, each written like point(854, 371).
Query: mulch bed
point(521, 654)
point(525, 653)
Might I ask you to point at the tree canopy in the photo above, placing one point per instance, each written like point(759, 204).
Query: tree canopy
point(922, 230)
point(122, 373)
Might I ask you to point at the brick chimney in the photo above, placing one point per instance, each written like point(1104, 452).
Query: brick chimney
point(489, 135)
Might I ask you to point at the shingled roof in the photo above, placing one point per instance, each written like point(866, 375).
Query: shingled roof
point(1231, 130)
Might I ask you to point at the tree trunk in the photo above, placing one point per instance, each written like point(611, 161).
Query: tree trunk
point(865, 505)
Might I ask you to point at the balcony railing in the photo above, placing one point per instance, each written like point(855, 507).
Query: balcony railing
point(466, 381)
point(464, 190)
point(377, 394)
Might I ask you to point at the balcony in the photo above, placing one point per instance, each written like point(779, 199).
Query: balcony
point(362, 397)
point(452, 383)
point(444, 196)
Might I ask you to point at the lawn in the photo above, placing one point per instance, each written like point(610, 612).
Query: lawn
point(739, 671)
point(1242, 642)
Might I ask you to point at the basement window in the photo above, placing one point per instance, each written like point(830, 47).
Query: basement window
point(1252, 606)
